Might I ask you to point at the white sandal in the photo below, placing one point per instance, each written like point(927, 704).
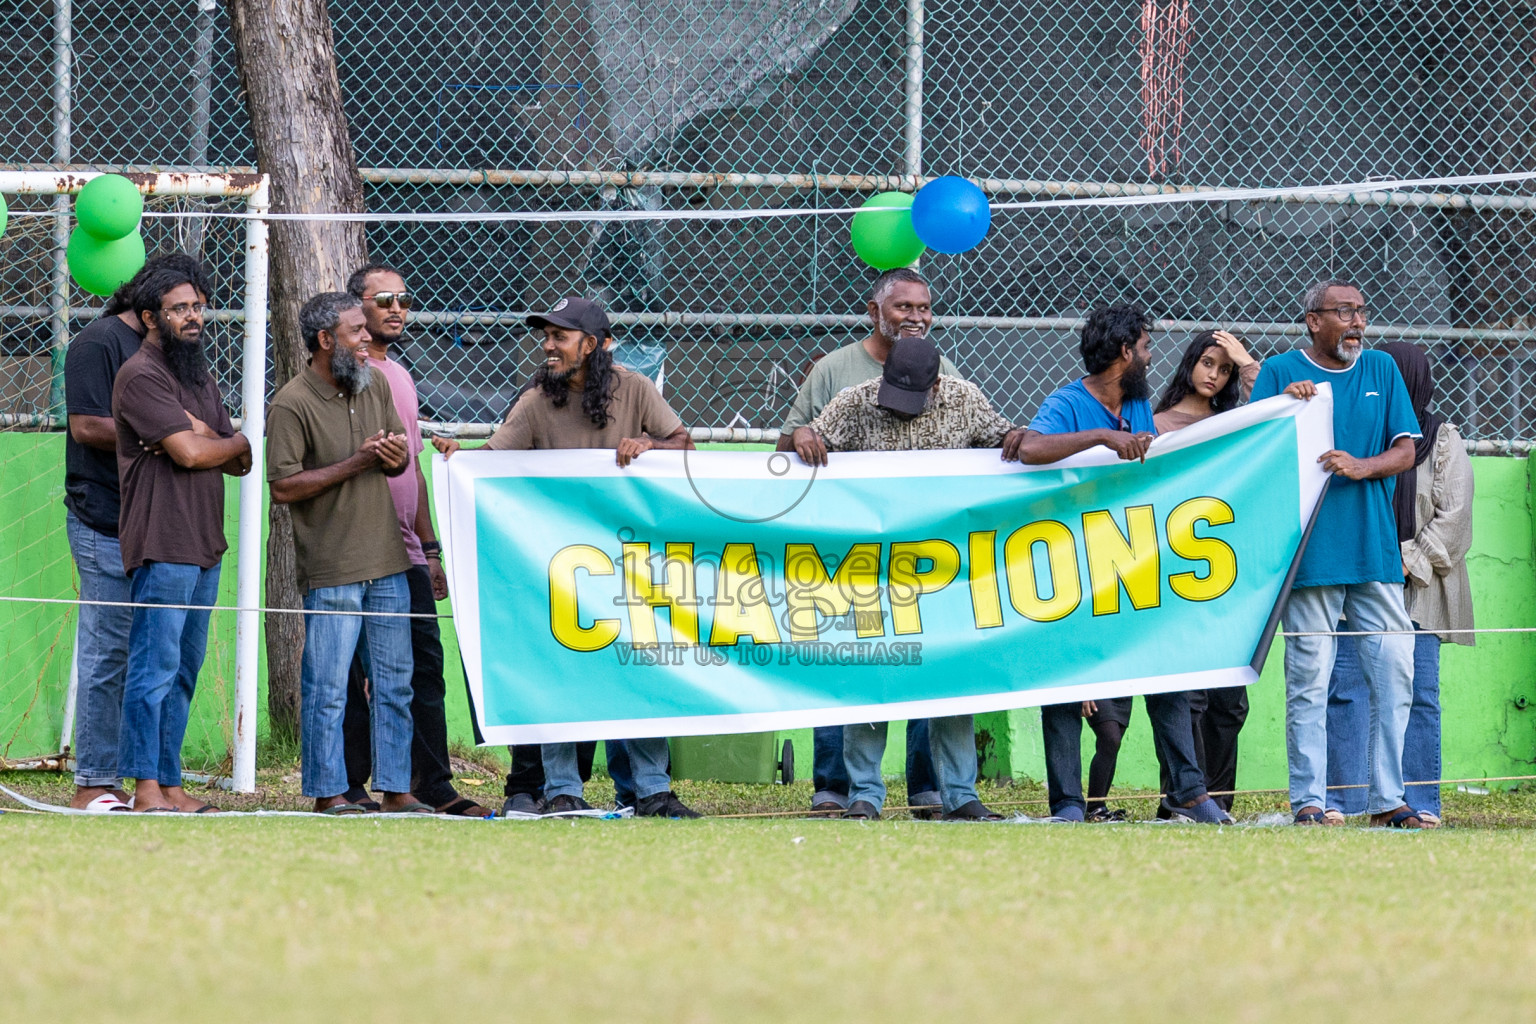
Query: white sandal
point(106, 803)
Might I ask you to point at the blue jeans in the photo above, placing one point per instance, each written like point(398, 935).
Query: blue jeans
point(830, 774)
point(329, 641)
point(1386, 662)
point(647, 762)
point(1173, 740)
point(165, 654)
point(953, 742)
point(1349, 723)
point(101, 652)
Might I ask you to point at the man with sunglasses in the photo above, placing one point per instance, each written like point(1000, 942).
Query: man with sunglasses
point(386, 310)
point(1352, 563)
point(1111, 407)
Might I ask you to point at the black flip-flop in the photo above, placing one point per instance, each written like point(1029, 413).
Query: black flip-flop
point(459, 806)
point(343, 810)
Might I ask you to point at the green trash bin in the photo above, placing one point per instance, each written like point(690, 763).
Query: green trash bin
point(744, 757)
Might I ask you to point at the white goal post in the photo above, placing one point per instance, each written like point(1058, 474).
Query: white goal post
point(253, 189)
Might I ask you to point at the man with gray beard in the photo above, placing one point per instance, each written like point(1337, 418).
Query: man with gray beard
point(1352, 563)
point(333, 439)
point(900, 306)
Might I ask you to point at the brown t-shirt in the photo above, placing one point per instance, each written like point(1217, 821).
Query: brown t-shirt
point(346, 534)
point(637, 408)
point(169, 514)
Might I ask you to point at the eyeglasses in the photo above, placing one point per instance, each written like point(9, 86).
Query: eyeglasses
point(182, 310)
point(1347, 313)
point(386, 299)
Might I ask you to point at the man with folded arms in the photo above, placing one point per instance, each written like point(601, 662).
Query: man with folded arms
point(175, 443)
point(910, 407)
point(333, 440)
point(580, 398)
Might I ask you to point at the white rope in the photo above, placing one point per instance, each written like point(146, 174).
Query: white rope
point(440, 615)
point(219, 608)
point(1362, 189)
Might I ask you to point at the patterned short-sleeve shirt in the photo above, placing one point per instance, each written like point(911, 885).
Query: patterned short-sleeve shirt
point(958, 416)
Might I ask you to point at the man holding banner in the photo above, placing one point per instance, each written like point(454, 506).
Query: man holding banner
point(1353, 564)
point(580, 398)
point(910, 407)
point(1110, 407)
point(900, 306)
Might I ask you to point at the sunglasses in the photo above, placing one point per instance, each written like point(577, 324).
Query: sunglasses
point(386, 299)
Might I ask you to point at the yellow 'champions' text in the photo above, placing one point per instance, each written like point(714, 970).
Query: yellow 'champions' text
point(1044, 570)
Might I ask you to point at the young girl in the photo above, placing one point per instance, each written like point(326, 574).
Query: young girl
point(1215, 375)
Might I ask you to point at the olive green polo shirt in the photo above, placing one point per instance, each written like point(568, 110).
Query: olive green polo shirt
point(347, 534)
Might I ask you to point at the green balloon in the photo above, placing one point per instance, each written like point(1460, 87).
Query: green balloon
point(109, 207)
point(886, 240)
point(5, 214)
point(101, 267)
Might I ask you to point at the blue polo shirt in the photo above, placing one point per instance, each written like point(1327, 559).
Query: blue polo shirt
point(1073, 409)
point(1355, 539)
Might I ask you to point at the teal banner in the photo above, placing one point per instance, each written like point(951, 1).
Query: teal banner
point(713, 592)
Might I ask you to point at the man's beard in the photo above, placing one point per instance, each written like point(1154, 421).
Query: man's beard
point(1348, 354)
point(891, 329)
point(1134, 386)
point(351, 376)
point(187, 360)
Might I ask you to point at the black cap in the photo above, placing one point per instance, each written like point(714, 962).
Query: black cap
point(581, 314)
point(910, 371)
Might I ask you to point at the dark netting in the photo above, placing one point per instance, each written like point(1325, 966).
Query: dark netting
point(729, 104)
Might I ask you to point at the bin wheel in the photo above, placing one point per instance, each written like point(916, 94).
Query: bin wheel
point(787, 763)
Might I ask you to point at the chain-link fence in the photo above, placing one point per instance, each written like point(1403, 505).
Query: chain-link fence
point(689, 104)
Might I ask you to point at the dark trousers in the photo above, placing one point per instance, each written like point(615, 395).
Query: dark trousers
point(432, 776)
point(830, 775)
point(1216, 738)
point(1172, 737)
point(1216, 716)
point(527, 772)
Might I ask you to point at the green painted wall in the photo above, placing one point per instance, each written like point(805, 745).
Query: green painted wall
point(1489, 692)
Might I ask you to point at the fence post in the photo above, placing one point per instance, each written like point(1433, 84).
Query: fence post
point(912, 108)
point(63, 91)
point(253, 408)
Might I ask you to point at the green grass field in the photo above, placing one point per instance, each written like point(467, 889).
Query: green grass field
point(176, 919)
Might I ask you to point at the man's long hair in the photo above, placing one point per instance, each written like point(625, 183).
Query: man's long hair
point(596, 393)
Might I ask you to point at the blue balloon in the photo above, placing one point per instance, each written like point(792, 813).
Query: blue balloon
point(950, 214)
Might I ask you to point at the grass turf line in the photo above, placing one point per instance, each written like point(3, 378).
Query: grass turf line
point(697, 921)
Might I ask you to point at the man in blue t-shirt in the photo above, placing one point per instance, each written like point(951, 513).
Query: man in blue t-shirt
point(1110, 407)
point(1352, 563)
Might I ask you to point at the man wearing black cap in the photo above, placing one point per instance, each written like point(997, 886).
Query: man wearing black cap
point(580, 399)
point(900, 306)
point(909, 407)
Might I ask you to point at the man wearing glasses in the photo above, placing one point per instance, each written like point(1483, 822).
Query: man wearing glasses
point(175, 443)
point(1352, 563)
point(386, 309)
point(1110, 407)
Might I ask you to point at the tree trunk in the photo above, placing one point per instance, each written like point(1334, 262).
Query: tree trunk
point(287, 66)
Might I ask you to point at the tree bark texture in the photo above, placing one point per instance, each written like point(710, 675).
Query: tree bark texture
point(287, 64)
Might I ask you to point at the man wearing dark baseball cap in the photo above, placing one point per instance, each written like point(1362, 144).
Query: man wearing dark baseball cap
point(911, 371)
point(579, 398)
point(577, 314)
point(911, 406)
